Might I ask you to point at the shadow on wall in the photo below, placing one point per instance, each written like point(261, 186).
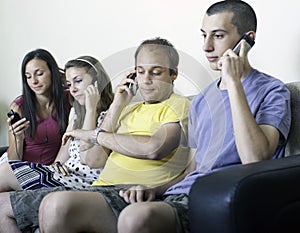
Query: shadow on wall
point(3, 124)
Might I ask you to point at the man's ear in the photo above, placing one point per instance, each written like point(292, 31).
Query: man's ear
point(174, 74)
point(252, 34)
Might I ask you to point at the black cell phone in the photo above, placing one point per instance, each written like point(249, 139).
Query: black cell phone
point(249, 44)
point(16, 116)
point(133, 87)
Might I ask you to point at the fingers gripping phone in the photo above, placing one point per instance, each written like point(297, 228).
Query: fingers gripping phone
point(15, 114)
point(249, 44)
point(133, 87)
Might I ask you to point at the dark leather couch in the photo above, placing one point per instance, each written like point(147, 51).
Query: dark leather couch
point(3, 149)
point(262, 197)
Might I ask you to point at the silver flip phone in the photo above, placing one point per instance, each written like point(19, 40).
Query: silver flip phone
point(249, 44)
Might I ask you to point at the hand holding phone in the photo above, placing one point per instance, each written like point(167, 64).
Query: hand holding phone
point(16, 116)
point(249, 44)
point(133, 87)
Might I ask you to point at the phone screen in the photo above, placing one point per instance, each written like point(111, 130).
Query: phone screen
point(249, 44)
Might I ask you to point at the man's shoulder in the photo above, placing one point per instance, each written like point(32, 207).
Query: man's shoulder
point(178, 101)
point(262, 83)
point(175, 98)
point(260, 78)
point(211, 91)
point(178, 96)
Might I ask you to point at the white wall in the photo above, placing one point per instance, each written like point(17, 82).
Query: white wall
point(110, 31)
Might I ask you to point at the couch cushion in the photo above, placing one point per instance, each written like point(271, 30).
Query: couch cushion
point(293, 145)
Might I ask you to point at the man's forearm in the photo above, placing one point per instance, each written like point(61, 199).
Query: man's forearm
point(157, 146)
point(110, 120)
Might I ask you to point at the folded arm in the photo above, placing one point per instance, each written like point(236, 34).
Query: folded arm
point(140, 193)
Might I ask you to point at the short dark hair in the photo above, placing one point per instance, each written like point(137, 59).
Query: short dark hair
point(244, 17)
point(166, 46)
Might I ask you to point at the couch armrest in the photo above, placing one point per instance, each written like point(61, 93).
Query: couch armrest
point(258, 197)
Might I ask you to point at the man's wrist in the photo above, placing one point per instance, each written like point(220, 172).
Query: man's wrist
point(95, 135)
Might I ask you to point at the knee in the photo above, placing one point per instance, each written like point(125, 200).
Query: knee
point(6, 209)
point(50, 210)
point(136, 218)
point(8, 181)
point(7, 219)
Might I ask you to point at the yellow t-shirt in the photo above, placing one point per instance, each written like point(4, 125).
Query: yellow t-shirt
point(146, 119)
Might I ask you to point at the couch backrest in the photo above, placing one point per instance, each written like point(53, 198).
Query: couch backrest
point(293, 145)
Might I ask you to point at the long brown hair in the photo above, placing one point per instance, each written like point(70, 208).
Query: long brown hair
point(94, 68)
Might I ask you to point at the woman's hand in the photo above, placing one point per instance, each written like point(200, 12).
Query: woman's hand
point(60, 168)
point(92, 96)
point(19, 127)
point(84, 135)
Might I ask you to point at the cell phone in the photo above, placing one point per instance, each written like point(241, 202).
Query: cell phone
point(249, 44)
point(16, 116)
point(133, 87)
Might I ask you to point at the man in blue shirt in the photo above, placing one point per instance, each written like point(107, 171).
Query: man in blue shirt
point(242, 117)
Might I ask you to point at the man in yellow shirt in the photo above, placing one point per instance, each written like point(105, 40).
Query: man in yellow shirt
point(146, 143)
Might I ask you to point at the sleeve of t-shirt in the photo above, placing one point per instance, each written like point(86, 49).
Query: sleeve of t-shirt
point(275, 109)
point(192, 137)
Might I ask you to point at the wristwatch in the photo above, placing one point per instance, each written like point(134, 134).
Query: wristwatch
point(95, 135)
